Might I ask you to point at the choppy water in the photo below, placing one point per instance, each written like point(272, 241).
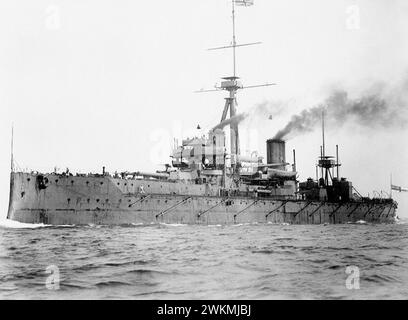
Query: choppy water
point(204, 262)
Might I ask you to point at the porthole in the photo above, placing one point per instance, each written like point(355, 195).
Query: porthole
point(28, 179)
point(69, 200)
point(125, 184)
point(101, 182)
point(72, 182)
point(22, 194)
point(88, 200)
point(97, 200)
point(56, 181)
point(87, 182)
point(118, 184)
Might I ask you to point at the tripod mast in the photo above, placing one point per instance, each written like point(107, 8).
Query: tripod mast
point(232, 84)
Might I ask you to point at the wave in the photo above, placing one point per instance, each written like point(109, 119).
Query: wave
point(401, 220)
point(126, 263)
point(278, 223)
point(377, 278)
point(150, 272)
point(265, 251)
point(11, 224)
point(240, 224)
point(357, 222)
point(112, 283)
point(174, 224)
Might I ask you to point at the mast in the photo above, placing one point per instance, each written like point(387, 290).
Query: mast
point(390, 185)
point(12, 148)
point(233, 87)
point(327, 163)
point(337, 161)
point(232, 84)
point(321, 161)
point(324, 147)
point(234, 42)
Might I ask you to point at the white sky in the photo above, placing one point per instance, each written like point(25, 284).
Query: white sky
point(90, 83)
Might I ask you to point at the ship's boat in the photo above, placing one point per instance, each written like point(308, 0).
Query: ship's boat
point(204, 184)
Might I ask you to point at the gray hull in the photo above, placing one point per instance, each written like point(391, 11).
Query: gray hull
point(109, 201)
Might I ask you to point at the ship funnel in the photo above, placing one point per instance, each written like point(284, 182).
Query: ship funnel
point(275, 152)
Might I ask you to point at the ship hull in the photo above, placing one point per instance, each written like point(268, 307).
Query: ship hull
point(108, 201)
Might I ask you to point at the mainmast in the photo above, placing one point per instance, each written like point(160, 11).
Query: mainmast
point(326, 163)
point(324, 142)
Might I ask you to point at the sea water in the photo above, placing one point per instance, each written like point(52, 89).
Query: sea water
point(245, 261)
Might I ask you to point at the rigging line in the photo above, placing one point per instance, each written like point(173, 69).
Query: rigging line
point(236, 46)
point(357, 192)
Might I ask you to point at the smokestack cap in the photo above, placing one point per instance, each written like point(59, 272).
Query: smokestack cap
point(276, 140)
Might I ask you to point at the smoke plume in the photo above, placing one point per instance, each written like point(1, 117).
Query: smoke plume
point(234, 120)
point(264, 110)
point(376, 109)
point(267, 109)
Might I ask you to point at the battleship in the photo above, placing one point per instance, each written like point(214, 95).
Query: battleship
point(205, 183)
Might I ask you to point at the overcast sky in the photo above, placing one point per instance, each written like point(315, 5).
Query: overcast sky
point(92, 83)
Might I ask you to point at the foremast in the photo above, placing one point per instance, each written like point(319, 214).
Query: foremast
point(232, 84)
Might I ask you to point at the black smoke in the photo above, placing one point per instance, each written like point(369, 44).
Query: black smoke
point(377, 108)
